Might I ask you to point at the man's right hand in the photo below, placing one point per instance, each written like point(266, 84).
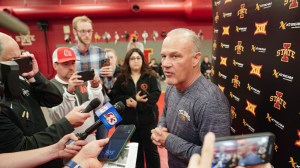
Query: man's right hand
point(74, 82)
point(106, 71)
point(76, 118)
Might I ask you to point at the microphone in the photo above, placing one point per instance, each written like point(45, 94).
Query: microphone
point(92, 105)
point(108, 115)
point(12, 23)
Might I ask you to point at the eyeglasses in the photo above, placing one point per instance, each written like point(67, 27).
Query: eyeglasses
point(135, 58)
point(85, 31)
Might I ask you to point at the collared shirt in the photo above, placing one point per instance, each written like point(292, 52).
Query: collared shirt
point(90, 60)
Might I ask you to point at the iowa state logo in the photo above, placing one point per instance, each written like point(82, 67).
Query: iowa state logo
point(26, 40)
point(242, 11)
point(225, 30)
point(251, 107)
point(278, 101)
point(235, 81)
point(292, 3)
point(261, 28)
point(239, 48)
point(255, 70)
point(286, 52)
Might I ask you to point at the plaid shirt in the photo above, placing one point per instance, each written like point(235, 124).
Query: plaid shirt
point(91, 60)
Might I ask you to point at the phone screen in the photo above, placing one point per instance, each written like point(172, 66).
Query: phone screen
point(243, 151)
point(117, 142)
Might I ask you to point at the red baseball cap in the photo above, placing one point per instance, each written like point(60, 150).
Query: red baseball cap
point(63, 54)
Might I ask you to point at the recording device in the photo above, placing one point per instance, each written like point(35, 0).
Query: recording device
point(9, 80)
point(87, 75)
point(92, 105)
point(134, 40)
point(144, 92)
point(109, 117)
point(12, 23)
point(243, 150)
point(105, 62)
point(25, 64)
point(116, 143)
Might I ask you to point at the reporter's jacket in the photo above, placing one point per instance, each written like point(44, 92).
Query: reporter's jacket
point(144, 113)
point(22, 122)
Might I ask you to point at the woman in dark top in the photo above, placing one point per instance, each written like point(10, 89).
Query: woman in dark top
point(137, 88)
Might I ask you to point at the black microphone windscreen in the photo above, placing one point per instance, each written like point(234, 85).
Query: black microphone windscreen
point(119, 106)
point(92, 105)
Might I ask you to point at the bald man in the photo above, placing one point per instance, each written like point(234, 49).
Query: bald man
point(193, 105)
point(22, 123)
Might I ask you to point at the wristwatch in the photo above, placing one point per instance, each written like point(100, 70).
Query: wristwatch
point(73, 164)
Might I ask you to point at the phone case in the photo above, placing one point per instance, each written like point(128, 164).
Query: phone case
point(114, 142)
point(87, 75)
point(25, 64)
point(105, 62)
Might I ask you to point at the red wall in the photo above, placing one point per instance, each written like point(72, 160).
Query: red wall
point(56, 36)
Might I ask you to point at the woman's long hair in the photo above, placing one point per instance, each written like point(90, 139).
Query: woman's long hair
point(126, 71)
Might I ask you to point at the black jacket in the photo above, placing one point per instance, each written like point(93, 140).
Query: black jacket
point(144, 113)
point(22, 123)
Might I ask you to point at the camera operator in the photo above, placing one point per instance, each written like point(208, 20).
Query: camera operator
point(134, 43)
point(23, 125)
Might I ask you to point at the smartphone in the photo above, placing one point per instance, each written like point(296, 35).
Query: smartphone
point(117, 143)
point(86, 75)
point(105, 62)
point(25, 64)
point(243, 150)
point(145, 92)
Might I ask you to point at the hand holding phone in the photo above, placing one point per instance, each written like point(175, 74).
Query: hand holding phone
point(145, 92)
point(105, 62)
point(117, 142)
point(243, 150)
point(25, 64)
point(86, 75)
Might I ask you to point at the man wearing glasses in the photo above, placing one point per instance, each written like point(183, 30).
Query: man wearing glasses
point(90, 56)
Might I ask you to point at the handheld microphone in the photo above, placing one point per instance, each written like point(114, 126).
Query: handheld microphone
point(108, 115)
point(92, 105)
point(12, 23)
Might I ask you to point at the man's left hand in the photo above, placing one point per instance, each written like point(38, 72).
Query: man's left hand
point(35, 67)
point(95, 82)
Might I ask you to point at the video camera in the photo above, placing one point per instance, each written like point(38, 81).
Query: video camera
point(9, 80)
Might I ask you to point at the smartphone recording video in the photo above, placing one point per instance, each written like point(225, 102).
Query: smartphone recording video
point(243, 150)
point(105, 62)
point(117, 143)
point(25, 64)
point(86, 75)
